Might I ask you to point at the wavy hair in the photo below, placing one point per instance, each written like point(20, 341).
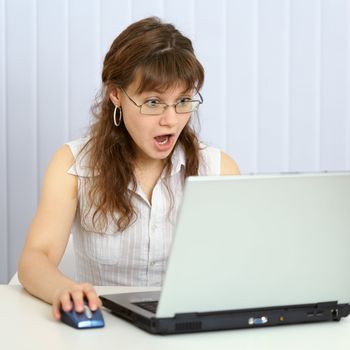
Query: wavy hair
point(160, 57)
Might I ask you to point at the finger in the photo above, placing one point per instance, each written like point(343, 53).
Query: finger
point(66, 302)
point(93, 299)
point(78, 300)
point(56, 309)
point(99, 302)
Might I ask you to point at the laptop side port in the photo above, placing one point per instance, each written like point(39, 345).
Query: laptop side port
point(255, 321)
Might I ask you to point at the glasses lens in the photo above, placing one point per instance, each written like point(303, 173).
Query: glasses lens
point(187, 106)
point(149, 108)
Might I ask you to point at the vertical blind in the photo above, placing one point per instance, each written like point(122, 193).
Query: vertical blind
point(276, 91)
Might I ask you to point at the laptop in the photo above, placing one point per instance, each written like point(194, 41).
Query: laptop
point(251, 251)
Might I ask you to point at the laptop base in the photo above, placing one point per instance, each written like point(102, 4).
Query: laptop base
point(235, 319)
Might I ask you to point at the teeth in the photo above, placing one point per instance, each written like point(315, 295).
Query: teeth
point(165, 141)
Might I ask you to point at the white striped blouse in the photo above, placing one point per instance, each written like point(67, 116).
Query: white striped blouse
point(138, 255)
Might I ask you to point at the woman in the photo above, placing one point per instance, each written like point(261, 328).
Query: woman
point(118, 189)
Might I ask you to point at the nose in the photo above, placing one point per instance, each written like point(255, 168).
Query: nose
point(169, 117)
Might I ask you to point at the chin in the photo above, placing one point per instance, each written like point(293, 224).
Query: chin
point(162, 156)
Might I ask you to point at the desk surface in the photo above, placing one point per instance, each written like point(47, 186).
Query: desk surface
point(26, 323)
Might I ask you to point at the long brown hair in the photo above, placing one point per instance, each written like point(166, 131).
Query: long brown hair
point(160, 57)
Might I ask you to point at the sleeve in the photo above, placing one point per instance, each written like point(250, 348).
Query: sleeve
point(80, 166)
point(210, 161)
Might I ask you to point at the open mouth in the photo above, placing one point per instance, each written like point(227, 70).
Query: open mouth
point(162, 139)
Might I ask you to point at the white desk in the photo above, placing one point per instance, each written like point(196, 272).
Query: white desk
point(26, 323)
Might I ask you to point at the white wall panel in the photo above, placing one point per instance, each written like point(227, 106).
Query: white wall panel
point(211, 50)
point(115, 17)
point(83, 62)
point(52, 79)
point(183, 13)
point(273, 83)
point(334, 84)
point(277, 86)
point(347, 114)
point(141, 9)
point(3, 147)
point(304, 85)
point(241, 82)
point(21, 58)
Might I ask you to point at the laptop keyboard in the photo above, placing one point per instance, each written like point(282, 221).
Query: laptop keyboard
point(148, 305)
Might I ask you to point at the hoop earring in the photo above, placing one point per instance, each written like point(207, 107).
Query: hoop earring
point(117, 110)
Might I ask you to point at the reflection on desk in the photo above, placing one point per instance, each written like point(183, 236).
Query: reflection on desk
point(27, 323)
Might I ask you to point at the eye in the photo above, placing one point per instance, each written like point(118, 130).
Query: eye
point(184, 101)
point(152, 103)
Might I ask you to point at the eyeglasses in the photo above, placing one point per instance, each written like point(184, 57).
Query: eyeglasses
point(153, 107)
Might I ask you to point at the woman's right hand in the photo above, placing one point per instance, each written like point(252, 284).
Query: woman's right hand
point(67, 298)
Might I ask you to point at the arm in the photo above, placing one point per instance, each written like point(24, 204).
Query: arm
point(228, 165)
point(47, 239)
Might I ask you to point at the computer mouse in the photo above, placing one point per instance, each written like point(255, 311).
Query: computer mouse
point(85, 319)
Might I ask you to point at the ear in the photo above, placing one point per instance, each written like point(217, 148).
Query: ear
point(114, 96)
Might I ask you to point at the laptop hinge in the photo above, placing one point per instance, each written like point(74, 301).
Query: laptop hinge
point(187, 315)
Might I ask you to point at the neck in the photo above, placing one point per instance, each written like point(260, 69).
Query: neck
point(147, 164)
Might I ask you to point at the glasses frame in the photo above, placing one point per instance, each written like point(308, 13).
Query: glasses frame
point(165, 106)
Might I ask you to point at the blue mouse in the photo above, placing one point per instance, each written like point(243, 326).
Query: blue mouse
point(85, 319)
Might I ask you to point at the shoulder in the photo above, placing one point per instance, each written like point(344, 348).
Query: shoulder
point(57, 179)
point(62, 165)
point(228, 165)
point(63, 158)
